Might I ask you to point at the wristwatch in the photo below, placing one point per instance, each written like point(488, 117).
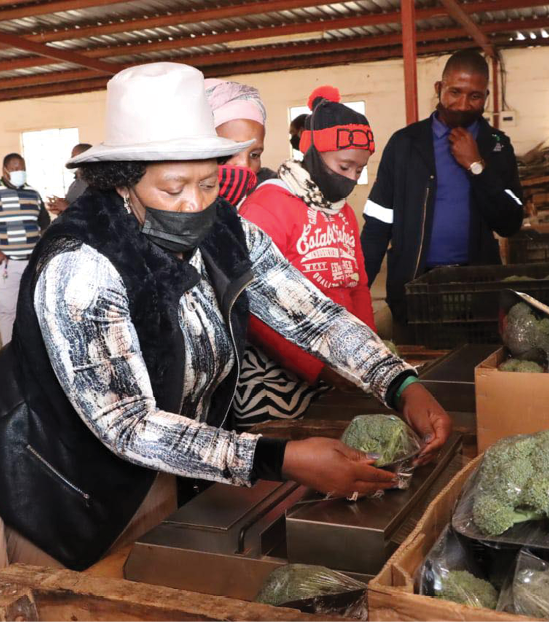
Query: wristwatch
point(477, 167)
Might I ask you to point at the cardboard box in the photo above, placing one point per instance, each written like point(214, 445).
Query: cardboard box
point(391, 593)
point(508, 403)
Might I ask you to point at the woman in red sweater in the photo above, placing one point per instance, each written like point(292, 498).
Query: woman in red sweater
point(304, 211)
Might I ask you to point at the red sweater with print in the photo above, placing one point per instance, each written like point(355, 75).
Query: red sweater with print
point(325, 248)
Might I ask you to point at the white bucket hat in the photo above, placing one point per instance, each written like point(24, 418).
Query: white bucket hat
point(158, 112)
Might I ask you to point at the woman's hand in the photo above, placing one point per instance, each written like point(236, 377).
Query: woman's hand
point(330, 466)
point(433, 424)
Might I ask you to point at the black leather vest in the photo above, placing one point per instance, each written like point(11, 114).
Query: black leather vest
point(59, 485)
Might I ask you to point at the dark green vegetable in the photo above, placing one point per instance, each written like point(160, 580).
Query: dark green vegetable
point(462, 587)
point(513, 483)
point(301, 581)
point(521, 366)
point(385, 435)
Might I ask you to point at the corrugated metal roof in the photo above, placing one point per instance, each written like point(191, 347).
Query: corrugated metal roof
point(165, 29)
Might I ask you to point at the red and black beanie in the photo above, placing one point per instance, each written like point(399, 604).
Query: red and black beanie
point(335, 126)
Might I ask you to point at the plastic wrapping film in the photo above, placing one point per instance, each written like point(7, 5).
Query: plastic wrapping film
point(452, 571)
point(505, 502)
point(524, 327)
point(388, 437)
point(315, 589)
point(527, 590)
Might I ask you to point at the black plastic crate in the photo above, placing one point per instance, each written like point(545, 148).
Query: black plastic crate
point(451, 306)
point(529, 247)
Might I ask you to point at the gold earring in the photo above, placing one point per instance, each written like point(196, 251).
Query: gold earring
point(127, 204)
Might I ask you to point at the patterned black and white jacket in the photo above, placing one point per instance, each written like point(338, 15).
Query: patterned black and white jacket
point(109, 348)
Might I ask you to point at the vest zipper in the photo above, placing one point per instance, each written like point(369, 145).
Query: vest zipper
point(424, 218)
point(235, 297)
point(33, 451)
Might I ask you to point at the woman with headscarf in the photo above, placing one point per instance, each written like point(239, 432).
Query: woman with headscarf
point(239, 114)
point(129, 335)
point(306, 215)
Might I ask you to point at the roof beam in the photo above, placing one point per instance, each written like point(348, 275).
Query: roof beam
point(65, 56)
point(354, 56)
point(46, 8)
point(374, 40)
point(50, 77)
point(54, 89)
point(249, 8)
point(317, 60)
point(184, 17)
point(371, 41)
point(461, 17)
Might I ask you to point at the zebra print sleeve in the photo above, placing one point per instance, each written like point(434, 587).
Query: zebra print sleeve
point(284, 299)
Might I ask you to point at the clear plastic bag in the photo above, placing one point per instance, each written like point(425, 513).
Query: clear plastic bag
point(524, 326)
point(527, 590)
point(452, 571)
point(505, 502)
point(314, 589)
point(390, 438)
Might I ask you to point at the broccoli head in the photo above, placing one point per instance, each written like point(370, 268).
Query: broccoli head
point(300, 581)
point(385, 435)
point(521, 366)
point(463, 587)
point(524, 334)
point(513, 483)
point(531, 593)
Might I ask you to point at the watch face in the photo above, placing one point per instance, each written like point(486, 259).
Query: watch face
point(476, 168)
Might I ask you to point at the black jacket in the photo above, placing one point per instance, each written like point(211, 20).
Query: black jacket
point(403, 199)
point(59, 485)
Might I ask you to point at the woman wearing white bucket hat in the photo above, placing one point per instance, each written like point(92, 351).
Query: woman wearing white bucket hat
point(130, 327)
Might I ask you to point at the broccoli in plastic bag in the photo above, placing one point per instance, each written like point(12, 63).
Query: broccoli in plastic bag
point(452, 572)
point(460, 586)
point(385, 435)
point(390, 438)
point(527, 591)
point(510, 487)
point(314, 588)
point(514, 365)
point(524, 326)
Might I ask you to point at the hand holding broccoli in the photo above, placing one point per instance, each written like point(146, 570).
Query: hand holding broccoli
point(427, 417)
point(329, 466)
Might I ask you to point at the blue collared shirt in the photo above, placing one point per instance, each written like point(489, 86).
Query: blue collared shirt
point(450, 232)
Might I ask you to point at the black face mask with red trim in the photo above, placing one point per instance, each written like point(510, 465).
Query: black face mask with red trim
point(235, 182)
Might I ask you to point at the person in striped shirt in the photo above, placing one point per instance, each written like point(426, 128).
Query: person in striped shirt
point(23, 217)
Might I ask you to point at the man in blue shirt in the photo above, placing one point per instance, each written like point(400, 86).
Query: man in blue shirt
point(443, 187)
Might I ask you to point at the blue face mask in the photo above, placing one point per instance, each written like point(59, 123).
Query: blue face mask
point(179, 232)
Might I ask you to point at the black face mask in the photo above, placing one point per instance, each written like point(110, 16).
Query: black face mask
point(179, 232)
point(294, 141)
point(334, 187)
point(458, 118)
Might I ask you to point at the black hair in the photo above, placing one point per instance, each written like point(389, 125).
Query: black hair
point(110, 175)
point(299, 122)
point(469, 61)
point(10, 157)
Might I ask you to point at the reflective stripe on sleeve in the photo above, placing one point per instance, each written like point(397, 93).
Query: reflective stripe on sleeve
point(378, 211)
point(513, 195)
